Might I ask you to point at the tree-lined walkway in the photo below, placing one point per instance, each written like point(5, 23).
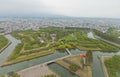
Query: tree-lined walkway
point(113, 43)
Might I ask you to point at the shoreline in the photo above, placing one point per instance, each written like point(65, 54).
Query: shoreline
point(67, 69)
point(39, 70)
point(79, 72)
point(98, 50)
point(38, 66)
point(1, 50)
point(7, 64)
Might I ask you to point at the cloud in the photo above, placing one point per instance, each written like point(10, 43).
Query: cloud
point(21, 7)
point(84, 8)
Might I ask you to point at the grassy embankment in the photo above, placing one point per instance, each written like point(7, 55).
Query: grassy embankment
point(109, 36)
point(32, 47)
point(80, 40)
point(11, 75)
point(113, 65)
point(74, 64)
point(3, 41)
point(114, 32)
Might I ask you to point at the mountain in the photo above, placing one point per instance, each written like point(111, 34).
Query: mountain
point(31, 15)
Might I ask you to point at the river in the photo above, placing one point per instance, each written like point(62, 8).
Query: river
point(96, 66)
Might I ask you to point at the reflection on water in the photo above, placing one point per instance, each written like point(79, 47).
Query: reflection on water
point(32, 62)
point(96, 66)
point(61, 70)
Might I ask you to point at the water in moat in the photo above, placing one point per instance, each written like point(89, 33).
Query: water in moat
point(61, 71)
point(96, 66)
point(25, 64)
point(5, 53)
point(32, 62)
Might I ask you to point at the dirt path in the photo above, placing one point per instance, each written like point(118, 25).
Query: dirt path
point(36, 71)
point(102, 58)
point(113, 43)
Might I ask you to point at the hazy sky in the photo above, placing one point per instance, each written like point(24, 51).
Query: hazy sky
point(78, 8)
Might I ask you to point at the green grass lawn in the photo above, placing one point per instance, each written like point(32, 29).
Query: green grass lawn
point(3, 41)
point(12, 75)
point(30, 39)
point(114, 32)
point(27, 56)
point(113, 65)
point(74, 63)
point(31, 46)
point(80, 40)
point(64, 38)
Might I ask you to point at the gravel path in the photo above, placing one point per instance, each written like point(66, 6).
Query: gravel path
point(35, 71)
point(103, 65)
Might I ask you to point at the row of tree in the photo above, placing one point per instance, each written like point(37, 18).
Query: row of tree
point(89, 57)
point(107, 36)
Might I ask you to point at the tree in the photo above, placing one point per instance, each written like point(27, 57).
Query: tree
point(15, 75)
point(74, 67)
point(89, 57)
point(52, 75)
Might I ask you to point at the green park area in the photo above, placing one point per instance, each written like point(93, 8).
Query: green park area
point(75, 65)
point(112, 35)
point(11, 75)
point(45, 40)
point(114, 32)
point(113, 65)
point(3, 41)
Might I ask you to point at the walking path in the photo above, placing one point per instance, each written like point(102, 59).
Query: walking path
point(56, 60)
point(38, 48)
point(118, 45)
point(38, 70)
point(41, 69)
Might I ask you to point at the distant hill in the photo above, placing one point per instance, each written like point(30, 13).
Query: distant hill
point(31, 15)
